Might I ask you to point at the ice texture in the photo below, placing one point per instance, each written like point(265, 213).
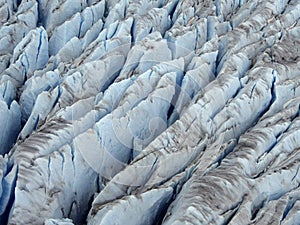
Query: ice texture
point(136, 112)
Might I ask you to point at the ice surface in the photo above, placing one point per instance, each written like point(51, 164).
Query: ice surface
point(149, 112)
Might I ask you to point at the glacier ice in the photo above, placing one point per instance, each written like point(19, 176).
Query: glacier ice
point(149, 112)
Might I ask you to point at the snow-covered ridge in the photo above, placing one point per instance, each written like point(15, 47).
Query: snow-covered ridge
point(149, 112)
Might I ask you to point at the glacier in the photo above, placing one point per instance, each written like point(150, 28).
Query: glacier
point(148, 112)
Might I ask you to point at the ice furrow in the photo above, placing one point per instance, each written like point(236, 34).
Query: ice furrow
point(212, 200)
point(77, 26)
point(15, 29)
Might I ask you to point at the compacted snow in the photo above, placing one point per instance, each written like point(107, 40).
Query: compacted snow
point(141, 112)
